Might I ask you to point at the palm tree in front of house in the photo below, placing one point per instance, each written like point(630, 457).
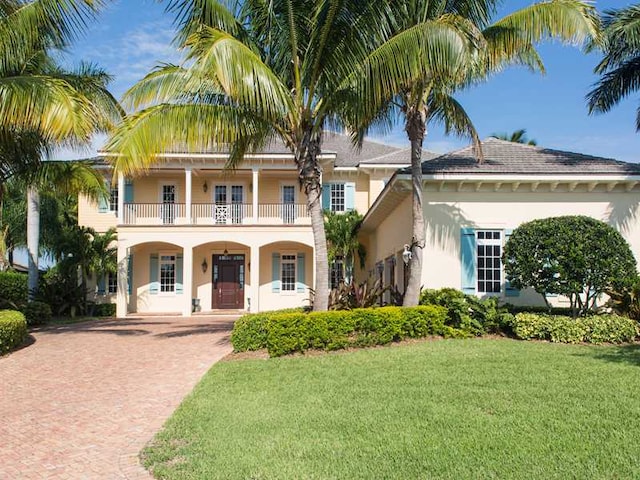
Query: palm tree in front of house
point(619, 68)
point(518, 136)
point(343, 244)
point(253, 73)
point(439, 48)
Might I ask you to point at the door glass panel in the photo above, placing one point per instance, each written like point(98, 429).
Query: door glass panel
point(288, 204)
point(236, 203)
point(167, 209)
point(221, 210)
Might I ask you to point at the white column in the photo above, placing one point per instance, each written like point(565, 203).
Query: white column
point(255, 278)
point(120, 199)
point(123, 280)
point(187, 189)
point(255, 194)
point(187, 280)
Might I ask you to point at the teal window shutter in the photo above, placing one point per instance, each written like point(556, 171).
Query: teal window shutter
point(130, 274)
point(154, 279)
point(101, 285)
point(326, 196)
point(275, 274)
point(349, 196)
point(509, 291)
point(300, 285)
point(128, 191)
point(179, 274)
point(468, 260)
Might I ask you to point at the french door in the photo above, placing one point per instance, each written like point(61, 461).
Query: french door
point(228, 201)
point(288, 198)
point(167, 208)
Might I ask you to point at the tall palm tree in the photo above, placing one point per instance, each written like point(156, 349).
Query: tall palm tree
point(518, 136)
point(619, 69)
point(439, 48)
point(254, 71)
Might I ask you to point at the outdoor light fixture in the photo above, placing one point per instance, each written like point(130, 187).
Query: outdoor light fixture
point(205, 187)
point(204, 265)
point(406, 254)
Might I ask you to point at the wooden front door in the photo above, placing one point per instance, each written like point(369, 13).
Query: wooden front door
point(228, 282)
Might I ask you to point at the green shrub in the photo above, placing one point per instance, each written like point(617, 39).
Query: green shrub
point(609, 328)
point(287, 332)
point(13, 290)
point(13, 330)
point(468, 313)
point(37, 313)
point(104, 310)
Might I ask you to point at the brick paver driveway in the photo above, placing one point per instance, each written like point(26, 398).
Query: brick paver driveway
point(83, 399)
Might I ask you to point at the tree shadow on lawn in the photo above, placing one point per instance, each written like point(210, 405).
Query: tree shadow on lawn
point(629, 354)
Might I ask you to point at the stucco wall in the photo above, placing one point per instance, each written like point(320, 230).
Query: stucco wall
point(275, 301)
point(90, 216)
point(447, 212)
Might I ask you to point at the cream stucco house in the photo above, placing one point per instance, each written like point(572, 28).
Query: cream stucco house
point(191, 231)
point(470, 210)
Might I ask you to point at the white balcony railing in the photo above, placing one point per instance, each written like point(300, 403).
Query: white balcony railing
point(215, 214)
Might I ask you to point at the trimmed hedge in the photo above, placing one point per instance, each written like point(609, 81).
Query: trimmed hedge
point(13, 330)
point(37, 313)
point(282, 333)
point(13, 290)
point(105, 310)
point(609, 328)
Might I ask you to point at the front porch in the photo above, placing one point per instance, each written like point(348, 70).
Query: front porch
point(213, 277)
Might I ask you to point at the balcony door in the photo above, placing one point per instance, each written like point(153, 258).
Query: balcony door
point(228, 201)
point(228, 282)
point(168, 200)
point(288, 200)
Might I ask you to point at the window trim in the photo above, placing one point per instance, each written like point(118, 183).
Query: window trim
point(344, 196)
point(293, 262)
point(113, 207)
point(490, 242)
point(168, 253)
point(109, 276)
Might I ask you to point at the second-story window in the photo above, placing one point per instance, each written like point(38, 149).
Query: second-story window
point(113, 199)
point(337, 197)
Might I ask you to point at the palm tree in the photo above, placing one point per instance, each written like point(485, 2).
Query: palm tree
point(619, 69)
point(518, 136)
point(254, 72)
point(41, 102)
point(438, 48)
point(342, 240)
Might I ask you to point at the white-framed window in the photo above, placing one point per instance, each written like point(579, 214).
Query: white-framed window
point(288, 272)
point(337, 201)
point(337, 272)
point(112, 283)
point(489, 261)
point(228, 200)
point(113, 199)
point(167, 267)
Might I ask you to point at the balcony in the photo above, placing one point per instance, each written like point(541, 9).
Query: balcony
point(155, 214)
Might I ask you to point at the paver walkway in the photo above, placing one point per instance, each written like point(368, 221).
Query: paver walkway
point(84, 399)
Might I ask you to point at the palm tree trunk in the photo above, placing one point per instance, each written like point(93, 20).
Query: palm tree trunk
point(309, 175)
point(33, 237)
point(416, 128)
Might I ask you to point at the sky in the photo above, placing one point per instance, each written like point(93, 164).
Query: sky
point(132, 36)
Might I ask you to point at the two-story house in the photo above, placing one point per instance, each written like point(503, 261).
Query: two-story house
point(194, 235)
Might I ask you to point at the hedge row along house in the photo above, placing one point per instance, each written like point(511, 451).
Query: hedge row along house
point(194, 236)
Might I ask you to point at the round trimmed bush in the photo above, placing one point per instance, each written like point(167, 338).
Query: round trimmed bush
point(13, 330)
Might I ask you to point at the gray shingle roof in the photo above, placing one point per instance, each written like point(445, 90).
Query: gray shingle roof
point(503, 157)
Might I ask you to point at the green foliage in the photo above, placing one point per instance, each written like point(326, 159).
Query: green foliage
point(59, 288)
point(104, 310)
point(13, 330)
point(13, 290)
point(341, 230)
point(468, 313)
point(287, 332)
point(37, 313)
point(608, 328)
point(350, 296)
point(575, 256)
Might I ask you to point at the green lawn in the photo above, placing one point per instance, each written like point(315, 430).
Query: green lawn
point(444, 409)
